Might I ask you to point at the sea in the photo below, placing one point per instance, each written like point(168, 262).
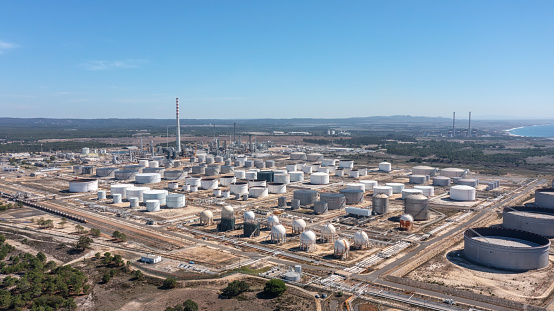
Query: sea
point(534, 131)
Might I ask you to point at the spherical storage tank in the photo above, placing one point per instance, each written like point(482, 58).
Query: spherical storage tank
point(417, 205)
point(175, 201)
point(380, 203)
point(249, 217)
point(159, 195)
point(306, 197)
point(148, 178)
point(385, 167)
point(227, 212)
point(353, 196)
point(319, 178)
point(406, 221)
point(308, 241)
point(152, 205)
point(206, 217)
point(506, 249)
point(536, 220)
point(278, 234)
point(382, 189)
point(341, 248)
point(544, 198)
point(462, 193)
point(136, 192)
point(334, 200)
point(298, 225)
point(396, 187)
point(328, 232)
point(106, 171)
point(121, 189)
point(83, 185)
point(361, 240)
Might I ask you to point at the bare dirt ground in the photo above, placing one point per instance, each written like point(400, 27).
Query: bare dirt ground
point(451, 269)
point(207, 256)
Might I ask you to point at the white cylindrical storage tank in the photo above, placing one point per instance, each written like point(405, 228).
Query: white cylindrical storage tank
point(193, 181)
point(106, 171)
point(307, 169)
point(325, 170)
point(319, 179)
point(314, 157)
point(353, 196)
point(83, 185)
point(427, 191)
point(396, 187)
point(385, 167)
point(417, 179)
point(173, 185)
point(298, 156)
point(249, 163)
point(133, 202)
point(216, 192)
point(369, 184)
point(226, 194)
point(209, 183)
point(193, 188)
point(257, 183)
point(153, 164)
point(453, 172)
point(101, 194)
point(240, 174)
point(116, 198)
point(382, 189)
point(298, 225)
point(278, 234)
point(281, 178)
point(280, 172)
point(274, 187)
point(175, 175)
point(143, 163)
point(407, 192)
point(342, 248)
point(198, 170)
point(136, 192)
point(209, 160)
point(462, 193)
point(328, 162)
point(250, 175)
point(85, 150)
point(469, 182)
point(239, 188)
point(148, 178)
point(152, 205)
point(159, 170)
point(159, 195)
point(339, 172)
point(218, 159)
point(308, 241)
point(380, 203)
point(269, 163)
point(354, 173)
point(346, 163)
point(441, 181)
point(424, 170)
point(259, 164)
point(291, 167)
point(227, 180)
point(124, 175)
point(186, 187)
point(175, 201)
point(258, 192)
point(359, 186)
point(296, 176)
point(121, 189)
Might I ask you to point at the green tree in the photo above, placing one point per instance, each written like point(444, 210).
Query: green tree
point(235, 288)
point(97, 255)
point(275, 287)
point(83, 243)
point(106, 277)
point(169, 283)
point(95, 232)
point(138, 275)
point(41, 256)
point(190, 305)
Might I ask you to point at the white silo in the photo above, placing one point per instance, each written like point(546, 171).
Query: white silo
point(121, 189)
point(385, 167)
point(137, 192)
point(298, 225)
point(319, 178)
point(382, 189)
point(361, 240)
point(227, 218)
point(342, 248)
point(308, 241)
point(462, 193)
point(328, 232)
point(428, 191)
point(369, 184)
point(396, 187)
point(272, 221)
point(152, 205)
point(357, 185)
point(206, 217)
point(278, 234)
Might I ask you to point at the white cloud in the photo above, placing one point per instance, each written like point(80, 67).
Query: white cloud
point(5, 46)
point(98, 65)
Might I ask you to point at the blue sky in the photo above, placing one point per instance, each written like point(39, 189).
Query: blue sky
point(276, 59)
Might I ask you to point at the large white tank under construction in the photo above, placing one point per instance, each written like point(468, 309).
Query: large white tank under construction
point(272, 221)
point(209, 183)
point(342, 248)
point(544, 198)
point(159, 195)
point(152, 205)
point(334, 200)
point(83, 185)
point(382, 189)
point(328, 233)
point(106, 171)
point(453, 172)
point(417, 205)
point(275, 187)
point(206, 217)
point(462, 193)
point(396, 187)
point(258, 192)
point(298, 225)
point(345, 163)
point(407, 192)
point(319, 179)
point(175, 175)
point(240, 187)
point(308, 241)
point(380, 203)
point(314, 157)
point(120, 189)
point(506, 249)
point(427, 191)
point(306, 197)
point(441, 181)
point(227, 218)
point(148, 178)
point(538, 220)
point(353, 196)
point(298, 156)
point(278, 234)
point(136, 192)
point(175, 201)
point(424, 170)
point(361, 240)
point(385, 167)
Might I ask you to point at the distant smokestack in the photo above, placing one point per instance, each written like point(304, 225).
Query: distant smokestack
point(178, 139)
point(469, 126)
point(454, 124)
